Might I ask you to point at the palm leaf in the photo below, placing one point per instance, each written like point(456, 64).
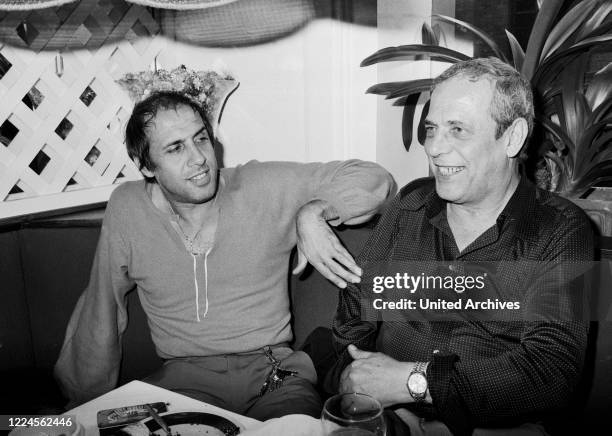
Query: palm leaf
point(575, 107)
point(603, 29)
point(386, 87)
point(408, 119)
point(603, 153)
point(600, 172)
point(400, 89)
point(440, 36)
point(575, 50)
point(563, 172)
point(586, 146)
point(408, 52)
point(601, 110)
point(546, 77)
point(416, 86)
point(543, 22)
point(566, 26)
point(564, 141)
point(401, 101)
point(546, 96)
point(518, 55)
point(600, 87)
point(595, 22)
point(428, 36)
point(421, 132)
point(556, 159)
point(604, 142)
point(597, 133)
point(478, 32)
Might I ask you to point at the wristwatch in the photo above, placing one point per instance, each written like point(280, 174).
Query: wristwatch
point(417, 382)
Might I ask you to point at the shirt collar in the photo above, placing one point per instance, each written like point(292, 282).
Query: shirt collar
point(517, 210)
point(423, 196)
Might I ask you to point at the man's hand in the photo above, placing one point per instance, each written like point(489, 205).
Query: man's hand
point(378, 375)
point(318, 245)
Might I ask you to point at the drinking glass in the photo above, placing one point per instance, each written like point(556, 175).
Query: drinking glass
point(353, 414)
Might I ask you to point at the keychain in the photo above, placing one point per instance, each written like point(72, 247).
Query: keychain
point(277, 375)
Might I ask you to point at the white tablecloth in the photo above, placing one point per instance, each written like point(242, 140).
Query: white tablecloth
point(138, 392)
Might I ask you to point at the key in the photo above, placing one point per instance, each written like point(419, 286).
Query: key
point(276, 376)
point(279, 377)
point(270, 356)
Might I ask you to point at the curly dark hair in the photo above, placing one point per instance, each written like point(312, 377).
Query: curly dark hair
point(144, 113)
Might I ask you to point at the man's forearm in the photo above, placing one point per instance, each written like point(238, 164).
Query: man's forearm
point(318, 209)
point(318, 245)
point(356, 190)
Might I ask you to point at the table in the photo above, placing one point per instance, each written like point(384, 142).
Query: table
point(137, 392)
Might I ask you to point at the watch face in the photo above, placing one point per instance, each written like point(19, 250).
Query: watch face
point(417, 383)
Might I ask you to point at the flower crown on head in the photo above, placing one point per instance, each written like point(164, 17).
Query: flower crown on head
point(208, 88)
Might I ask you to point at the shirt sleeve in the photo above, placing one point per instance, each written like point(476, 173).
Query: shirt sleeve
point(89, 361)
point(350, 324)
point(355, 189)
point(348, 328)
point(541, 373)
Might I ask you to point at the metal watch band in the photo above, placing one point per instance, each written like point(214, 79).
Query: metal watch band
point(419, 368)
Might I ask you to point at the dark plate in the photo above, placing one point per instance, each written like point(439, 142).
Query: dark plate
point(226, 426)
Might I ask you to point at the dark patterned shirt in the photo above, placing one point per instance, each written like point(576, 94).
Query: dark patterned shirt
point(482, 374)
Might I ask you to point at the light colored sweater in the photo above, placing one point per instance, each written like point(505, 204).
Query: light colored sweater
point(232, 299)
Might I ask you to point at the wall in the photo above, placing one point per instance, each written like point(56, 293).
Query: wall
point(301, 97)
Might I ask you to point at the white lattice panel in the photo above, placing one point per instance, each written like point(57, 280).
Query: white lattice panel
point(64, 133)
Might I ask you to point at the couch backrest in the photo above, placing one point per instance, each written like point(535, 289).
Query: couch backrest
point(314, 298)
point(15, 332)
point(45, 266)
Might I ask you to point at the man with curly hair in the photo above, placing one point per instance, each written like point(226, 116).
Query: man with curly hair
point(207, 250)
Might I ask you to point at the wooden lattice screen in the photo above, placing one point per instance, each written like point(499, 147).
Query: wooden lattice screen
point(61, 126)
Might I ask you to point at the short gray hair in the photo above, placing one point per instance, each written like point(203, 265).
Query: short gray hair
point(512, 95)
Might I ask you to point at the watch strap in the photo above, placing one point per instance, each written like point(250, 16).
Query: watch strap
point(419, 368)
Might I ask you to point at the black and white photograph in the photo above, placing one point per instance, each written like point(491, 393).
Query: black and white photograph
point(305, 217)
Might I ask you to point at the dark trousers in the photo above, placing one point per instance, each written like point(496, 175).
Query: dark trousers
point(233, 382)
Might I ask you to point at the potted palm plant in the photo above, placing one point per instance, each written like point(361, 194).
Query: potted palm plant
point(572, 153)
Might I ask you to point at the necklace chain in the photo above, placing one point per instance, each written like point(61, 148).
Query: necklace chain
point(190, 241)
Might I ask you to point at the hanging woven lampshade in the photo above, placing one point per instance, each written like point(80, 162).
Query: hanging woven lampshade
point(239, 23)
point(25, 5)
point(181, 4)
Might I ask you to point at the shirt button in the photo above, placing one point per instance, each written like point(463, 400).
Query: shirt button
point(457, 268)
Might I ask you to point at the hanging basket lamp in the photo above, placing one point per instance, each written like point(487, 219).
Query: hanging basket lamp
point(26, 5)
point(181, 4)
